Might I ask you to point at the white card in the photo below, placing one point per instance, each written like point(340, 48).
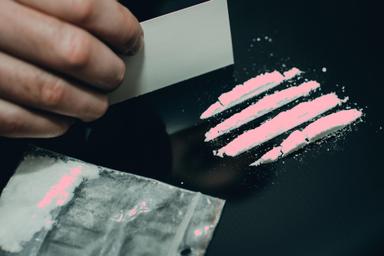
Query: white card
point(179, 46)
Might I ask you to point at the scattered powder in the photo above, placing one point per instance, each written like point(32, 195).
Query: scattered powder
point(283, 122)
point(315, 131)
point(249, 89)
point(262, 107)
point(33, 193)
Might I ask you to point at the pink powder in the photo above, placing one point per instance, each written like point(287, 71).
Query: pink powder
point(294, 141)
point(59, 190)
point(317, 130)
point(276, 126)
point(132, 212)
point(272, 155)
point(249, 89)
point(198, 232)
point(292, 73)
point(140, 208)
point(252, 87)
point(331, 123)
point(262, 107)
point(214, 109)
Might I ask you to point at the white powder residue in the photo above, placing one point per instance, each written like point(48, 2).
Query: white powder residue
point(40, 185)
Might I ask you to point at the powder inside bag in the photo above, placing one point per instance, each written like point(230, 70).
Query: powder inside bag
point(39, 186)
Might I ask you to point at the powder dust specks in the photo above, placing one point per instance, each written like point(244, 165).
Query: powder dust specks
point(39, 186)
point(259, 39)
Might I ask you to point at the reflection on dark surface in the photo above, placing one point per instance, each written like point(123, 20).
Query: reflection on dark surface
point(328, 201)
point(130, 137)
point(10, 152)
point(198, 169)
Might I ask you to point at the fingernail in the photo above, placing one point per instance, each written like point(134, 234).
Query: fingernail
point(141, 30)
point(141, 42)
point(136, 47)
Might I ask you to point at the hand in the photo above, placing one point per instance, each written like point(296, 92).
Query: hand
point(56, 64)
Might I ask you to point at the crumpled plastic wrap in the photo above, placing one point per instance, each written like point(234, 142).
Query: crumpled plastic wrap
point(123, 214)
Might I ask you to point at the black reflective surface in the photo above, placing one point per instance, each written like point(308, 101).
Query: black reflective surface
point(328, 200)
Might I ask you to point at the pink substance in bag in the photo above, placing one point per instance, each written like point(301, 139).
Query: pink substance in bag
point(281, 123)
point(59, 191)
point(249, 89)
point(315, 131)
point(262, 107)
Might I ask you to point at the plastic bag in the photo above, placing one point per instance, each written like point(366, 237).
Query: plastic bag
point(109, 212)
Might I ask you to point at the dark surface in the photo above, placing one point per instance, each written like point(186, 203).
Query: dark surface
point(327, 200)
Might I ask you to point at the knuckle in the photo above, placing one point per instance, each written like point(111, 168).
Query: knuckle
point(83, 10)
point(76, 52)
point(52, 93)
point(11, 124)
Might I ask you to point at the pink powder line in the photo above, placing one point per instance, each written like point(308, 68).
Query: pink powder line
point(59, 190)
point(280, 124)
point(249, 89)
point(315, 131)
point(293, 72)
point(262, 107)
